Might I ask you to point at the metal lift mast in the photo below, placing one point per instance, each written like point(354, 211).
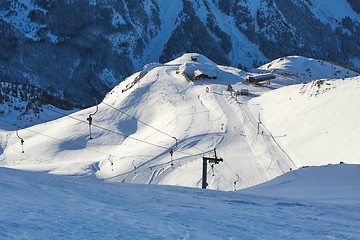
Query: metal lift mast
point(214, 160)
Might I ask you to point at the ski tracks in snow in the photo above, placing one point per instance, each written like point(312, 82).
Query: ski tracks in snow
point(264, 144)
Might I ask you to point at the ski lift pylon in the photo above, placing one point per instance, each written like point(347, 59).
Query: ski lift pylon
point(171, 157)
point(172, 152)
point(90, 117)
point(111, 163)
point(21, 141)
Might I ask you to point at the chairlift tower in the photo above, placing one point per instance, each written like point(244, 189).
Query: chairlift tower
point(214, 160)
point(89, 119)
point(21, 141)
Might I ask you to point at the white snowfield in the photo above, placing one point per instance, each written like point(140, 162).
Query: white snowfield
point(158, 110)
point(316, 123)
point(329, 183)
point(311, 203)
point(297, 69)
point(272, 131)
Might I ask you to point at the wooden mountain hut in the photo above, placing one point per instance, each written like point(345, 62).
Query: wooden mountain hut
point(260, 78)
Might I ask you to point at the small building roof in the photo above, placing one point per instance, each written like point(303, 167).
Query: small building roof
point(210, 73)
point(260, 77)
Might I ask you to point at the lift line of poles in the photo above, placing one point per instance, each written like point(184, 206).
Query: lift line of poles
point(214, 160)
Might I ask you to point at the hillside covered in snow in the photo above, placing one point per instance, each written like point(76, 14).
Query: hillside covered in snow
point(114, 115)
point(315, 122)
point(156, 126)
point(67, 173)
point(297, 69)
point(311, 203)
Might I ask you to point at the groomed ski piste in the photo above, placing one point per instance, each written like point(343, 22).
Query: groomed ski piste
point(274, 130)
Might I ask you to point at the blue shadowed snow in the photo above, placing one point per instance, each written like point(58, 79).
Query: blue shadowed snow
point(43, 206)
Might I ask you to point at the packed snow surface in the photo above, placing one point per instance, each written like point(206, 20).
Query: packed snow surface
point(44, 206)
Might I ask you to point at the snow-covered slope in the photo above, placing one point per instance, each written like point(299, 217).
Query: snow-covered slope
point(329, 183)
point(43, 206)
point(316, 123)
point(168, 107)
point(297, 69)
point(332, 12)
point(158, 111)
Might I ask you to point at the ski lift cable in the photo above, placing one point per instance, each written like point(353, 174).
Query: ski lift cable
point(156, 129)
point(146, 124)
point(139, 120)
point(105, 129)
point(237, 175)
point(90, 149)
point(118, 133)
point(223, 176)
point(231, 169)
point(126, 114)
point(195, 156)
point(57, 139)
point(176, 140)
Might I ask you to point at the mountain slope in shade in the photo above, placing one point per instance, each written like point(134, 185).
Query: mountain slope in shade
point(330, 183)
point(66, 46)
point(43, 206)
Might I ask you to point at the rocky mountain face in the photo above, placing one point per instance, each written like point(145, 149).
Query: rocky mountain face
point(79, 49)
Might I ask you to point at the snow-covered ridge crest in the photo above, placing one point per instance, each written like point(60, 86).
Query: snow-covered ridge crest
point(306, 69)
point(314, 88)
